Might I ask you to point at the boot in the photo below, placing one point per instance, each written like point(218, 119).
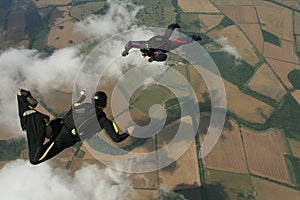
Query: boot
point(196, 37)
point(29, 100)
point(176, 25)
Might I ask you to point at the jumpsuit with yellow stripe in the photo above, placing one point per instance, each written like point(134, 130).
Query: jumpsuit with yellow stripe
point(38, 127)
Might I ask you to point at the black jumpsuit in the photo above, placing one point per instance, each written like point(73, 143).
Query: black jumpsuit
point(37, 125)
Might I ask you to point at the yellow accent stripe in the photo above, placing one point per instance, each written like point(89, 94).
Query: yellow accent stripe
point(74, 131)
point(46, 152)
point(77, 104)
point(47, 122)
point(115, 127)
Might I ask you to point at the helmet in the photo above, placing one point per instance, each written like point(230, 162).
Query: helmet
point(99, 99)
point(159, 55)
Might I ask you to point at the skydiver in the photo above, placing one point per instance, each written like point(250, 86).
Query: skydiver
point(62, 132)
point(157, 46)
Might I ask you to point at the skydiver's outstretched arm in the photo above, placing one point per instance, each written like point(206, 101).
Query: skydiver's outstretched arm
point(169, 30)
point(82, 96)
point(112, 130)
point(134, 44)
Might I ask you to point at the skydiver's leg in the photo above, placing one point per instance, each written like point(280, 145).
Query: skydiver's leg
point(35, 124)
point(54, 128)
point(184, 40)
point(31, 120)
point(179, 42)
point(134, 44)
point(25, 102)
point(54, 146)
point(169, 30)
point(36, 129)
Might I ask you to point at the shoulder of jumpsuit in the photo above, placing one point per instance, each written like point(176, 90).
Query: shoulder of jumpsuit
point(79, 100)
point(83, 105)
point(100, 114)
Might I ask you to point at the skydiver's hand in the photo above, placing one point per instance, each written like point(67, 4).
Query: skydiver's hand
point(125, 53)
point(83, 92)
point(144, 54)
point(130, 129)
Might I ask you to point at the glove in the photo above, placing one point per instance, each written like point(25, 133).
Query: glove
point(130, 129)
point(83, 92)
point(196, 37)
point(125, 53)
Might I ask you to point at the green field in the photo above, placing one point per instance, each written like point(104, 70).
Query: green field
point(11, 149)
point(12, 19)
point(169, 15)
point(82, 1)
point(293, 164)
point(190, 22)
point(225, 185)
point(171, 102)
point(36, 27)
point(193, 193)
point(156, 13)
point(5, 6)
point(82, 11)
point(224, 23)
point(261, 97)
point(237, 74)
point(55, 13)
point(145, 98)
point(271, 38)
point(286, 117)
point(293, 77)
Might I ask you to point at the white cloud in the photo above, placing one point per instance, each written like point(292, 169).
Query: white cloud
point(20, 180)
point(119, 17)
point(229, 49)
point(30, 69)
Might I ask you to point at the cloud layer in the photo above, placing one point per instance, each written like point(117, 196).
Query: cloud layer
point(29, 69)
point(228, 48)
point(20, 180)
point(119, 17)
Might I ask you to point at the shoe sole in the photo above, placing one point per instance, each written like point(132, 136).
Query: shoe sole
point(22, 92)
point(19, 92)
point(28, 112)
